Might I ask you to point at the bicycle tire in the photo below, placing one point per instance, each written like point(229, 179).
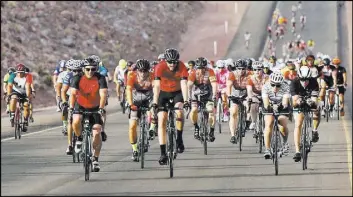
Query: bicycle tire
point(259, 133)
point(240, 129)
point(220, 111)
point(170, 151)
point(304, 145)
point(338, 107)
point(86, 157)
point(16, 123)
point(73, 145)
point(21, 125)
point(142, 142)
point(276, 130)
point(204, 122)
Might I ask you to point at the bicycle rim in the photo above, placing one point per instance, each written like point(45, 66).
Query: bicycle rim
point(240, 131)
point(220, 117)
point(304, 145)
point(86, 158)
point(20, 127)
point(205, 141)
point(170, 151)
point(259, 134)
point(142, 143)
point(338, 108)
point(276, 149)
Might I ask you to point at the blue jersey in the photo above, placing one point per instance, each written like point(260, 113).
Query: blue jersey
point(57, 70)
point(67, 79)
point(103, 71)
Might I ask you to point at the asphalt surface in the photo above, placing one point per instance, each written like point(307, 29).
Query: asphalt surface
point(37, 164)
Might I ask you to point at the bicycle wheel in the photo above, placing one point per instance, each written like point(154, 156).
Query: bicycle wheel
point(275, 154)
point(338, 106)
point(303, 150)
point(123, 102)
point(17, 123)
point(219, 113)
point(170, 150)
point(21, 124)
point(259, 132)
point(142, 142)
point(87, 157)
point(240, 129)
point(74, 154)
point(205, 133)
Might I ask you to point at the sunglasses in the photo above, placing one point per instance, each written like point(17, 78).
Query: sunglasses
point(91, 69)
point(172, 62)
point(275, 85)
point(304, 79)
point(240, 68)
point(257, 69)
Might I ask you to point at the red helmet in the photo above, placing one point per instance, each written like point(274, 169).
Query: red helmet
point(20, 68)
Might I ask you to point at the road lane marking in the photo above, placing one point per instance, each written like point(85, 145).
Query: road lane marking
point(49, 129)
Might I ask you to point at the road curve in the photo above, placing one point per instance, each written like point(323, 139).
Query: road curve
point(37, 164)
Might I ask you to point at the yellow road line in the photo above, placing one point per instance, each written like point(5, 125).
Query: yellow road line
point(349, 147)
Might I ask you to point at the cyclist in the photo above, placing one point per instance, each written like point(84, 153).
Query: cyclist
point(304, 85)
point(29, 77)
point(74, 68)
point(10, 71)
point(58, 69)
point(59, 83)
point(341, 80)
point(328, 81)
point(253, 87)
point(205, 83)
point(119, 77)
point(222, 74)
point(267, 70)
point(21, 86)
point(170, 83)
point(247, 36)
point(191, 64)
point(248, 62)
point(161, 57)
point(311, 44)
point(89, 92)
point(138, 93)
point(236, 86)
point(293, 24)
point(302, 20)
point(289, 73)
point(277, 92)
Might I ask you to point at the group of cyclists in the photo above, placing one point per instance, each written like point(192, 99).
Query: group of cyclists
point(272, 84)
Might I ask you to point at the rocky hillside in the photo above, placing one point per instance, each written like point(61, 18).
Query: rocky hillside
point(39, 33)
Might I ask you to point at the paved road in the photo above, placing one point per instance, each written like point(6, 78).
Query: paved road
point(37, 164)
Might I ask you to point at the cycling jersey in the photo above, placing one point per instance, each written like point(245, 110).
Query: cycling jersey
point(67, 80)
point(202, 82)
point(170, 80)
point(61, 76)
point(19, 84)
point(142, 88)
point(340, 70)
point(326, 74)
point(267, 92)
point(57, 70)
point(257, 83)
point(103, 71)
point(222, 77)
point(311, 89)
point(7, 76)
point(120, 74)
point(239, 83)
point(88, 89)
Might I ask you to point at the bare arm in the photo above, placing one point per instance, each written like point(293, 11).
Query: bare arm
point(214, 88)
point(229, 87)
point(184, 89)
point(73, 97)
point(103, 97)
point(64, 90)
point(156, 90)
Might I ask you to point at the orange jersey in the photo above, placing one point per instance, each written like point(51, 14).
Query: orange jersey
point(139, 84)
point(238, 82)
point(257, 84)
point(170, 80)
point(29, 78)
point(198, 78)
point(290, 76)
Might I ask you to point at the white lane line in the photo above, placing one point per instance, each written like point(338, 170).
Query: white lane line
point(49, 129)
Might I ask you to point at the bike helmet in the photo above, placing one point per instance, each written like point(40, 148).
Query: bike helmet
point(26, 69)
point(122, 64)
point(91, 62)
point(161, 56)
point(201, 63)
point(84, 63)
point(220, 64)
point(336, 61)
point(20, 68)
point(192, 62)
point(76, 65)
point(310, 57)
point(95, 58)
point(61, 63)
point(273, 58)
point(171, 55)
point(11, 70)
point(276, 77)
point(129, 63)
point(240, 63)
point(257, 65)
point(69, 63)
point(248, 63)
point(143, 65)
point(326, 61)
point(304, 72)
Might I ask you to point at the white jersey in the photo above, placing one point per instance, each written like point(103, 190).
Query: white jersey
point(61, 76)
point(19, 85)
point(302, 19)
point(283, 92)
point(120, 73)
point(247, 36)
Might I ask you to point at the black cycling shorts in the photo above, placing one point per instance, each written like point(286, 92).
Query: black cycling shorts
point(341, 90)
point(165, 96)
point(93, 118)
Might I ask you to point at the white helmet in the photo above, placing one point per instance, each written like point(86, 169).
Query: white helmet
point(266, 65)
point(276, 77)
point(229, 62)
point(257, 65)
point(76, 65)
point(220, 63)
point(304, 72)
point(319, 55)
point(69, 63)
point(161, 56)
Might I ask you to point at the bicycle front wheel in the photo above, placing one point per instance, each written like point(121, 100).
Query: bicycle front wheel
point(219, 113)
point(142, 143)
point(87, 157)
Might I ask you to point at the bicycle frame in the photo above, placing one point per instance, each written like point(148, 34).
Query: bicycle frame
point(305, 141)
point(143, 139)
point(203, 115)
point(241, 118)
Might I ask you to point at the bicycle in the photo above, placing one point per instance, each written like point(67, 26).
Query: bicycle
point(123, 103)
point(276, 145)
point(241, 118)
point(143, 141)
point(306, 136)
point(259, 126)
point(203, 119)
point(337, 107)
point(171, 131)
point(18, 121)
point(328, 112)
point(86, 155)
point(219, 112)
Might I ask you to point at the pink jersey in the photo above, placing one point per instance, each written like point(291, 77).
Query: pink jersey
point(222, 76)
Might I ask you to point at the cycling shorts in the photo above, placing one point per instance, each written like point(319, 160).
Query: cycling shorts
point(341, 90)
point(93, 118)
point(165, 96)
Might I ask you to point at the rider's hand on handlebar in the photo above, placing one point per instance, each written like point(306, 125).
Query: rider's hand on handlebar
point(133, 107)
point(186, 105)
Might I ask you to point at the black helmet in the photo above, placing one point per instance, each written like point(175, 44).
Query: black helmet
point(192, 62)
point(273, 58)
point(201, 62)
point(11, 70)
point(91, 61)
point(240, 63)
point(312, 57)
point(26, 69)
point(171, 55)
point(143, 65)
point(248, 63)
point(129, 63)
point(326, 61)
